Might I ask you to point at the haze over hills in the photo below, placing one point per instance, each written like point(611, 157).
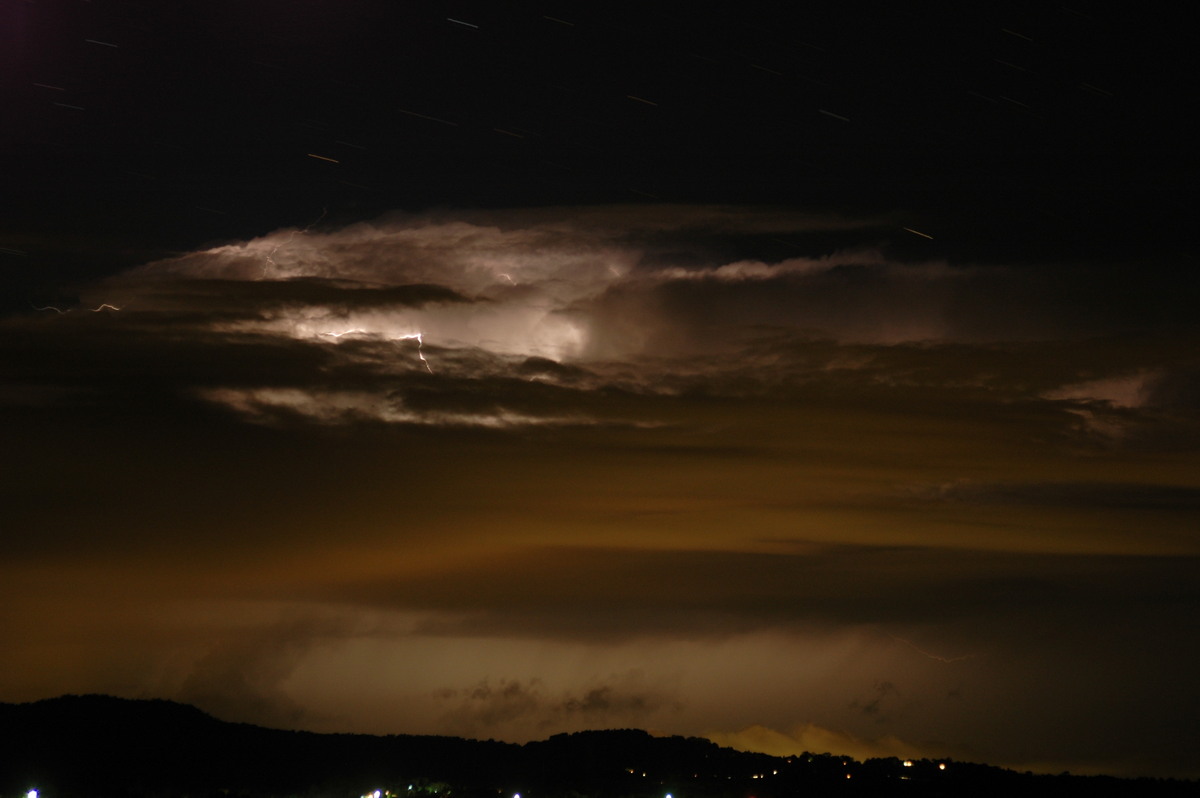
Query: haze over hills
point(104, 746)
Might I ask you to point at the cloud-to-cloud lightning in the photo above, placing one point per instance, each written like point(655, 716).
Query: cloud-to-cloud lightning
point(706, 470)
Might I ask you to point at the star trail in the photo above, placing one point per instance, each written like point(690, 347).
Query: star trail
point(810, 379)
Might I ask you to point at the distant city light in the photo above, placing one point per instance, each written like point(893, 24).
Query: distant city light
point(942, 766)
point(908, 763)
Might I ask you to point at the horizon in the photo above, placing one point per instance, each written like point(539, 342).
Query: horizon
point(793, 754)
point(757, 740)
point(822, 378)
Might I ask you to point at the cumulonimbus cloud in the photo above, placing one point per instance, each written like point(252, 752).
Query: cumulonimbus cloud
point(646, 299)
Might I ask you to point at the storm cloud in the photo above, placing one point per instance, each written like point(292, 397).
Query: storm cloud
point(785, 479)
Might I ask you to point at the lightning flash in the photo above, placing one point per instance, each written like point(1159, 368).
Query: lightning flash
point(269, 262)
point(420, 342)
point(418, 337)
point(923, 652)
point(98, 309)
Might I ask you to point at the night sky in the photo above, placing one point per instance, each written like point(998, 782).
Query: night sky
point(824, 380)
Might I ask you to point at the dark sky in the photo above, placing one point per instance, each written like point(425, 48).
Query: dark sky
point(824, 380)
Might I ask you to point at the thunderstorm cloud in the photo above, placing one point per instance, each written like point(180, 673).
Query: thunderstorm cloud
point(790, 481)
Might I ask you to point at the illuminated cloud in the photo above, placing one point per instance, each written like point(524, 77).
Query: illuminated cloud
point(688, 468)
point(1119, 391)
point(631, 299)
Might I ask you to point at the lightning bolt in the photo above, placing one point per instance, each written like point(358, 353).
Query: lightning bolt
point(344, 332)
point(420, 354)
point(60, 311)
point(270, 259)
point(920, 650)
point(418, 337)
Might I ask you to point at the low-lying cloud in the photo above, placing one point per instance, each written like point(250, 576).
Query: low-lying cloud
point(529, 708)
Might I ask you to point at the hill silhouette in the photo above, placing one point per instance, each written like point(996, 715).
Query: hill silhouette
point(103, 746)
